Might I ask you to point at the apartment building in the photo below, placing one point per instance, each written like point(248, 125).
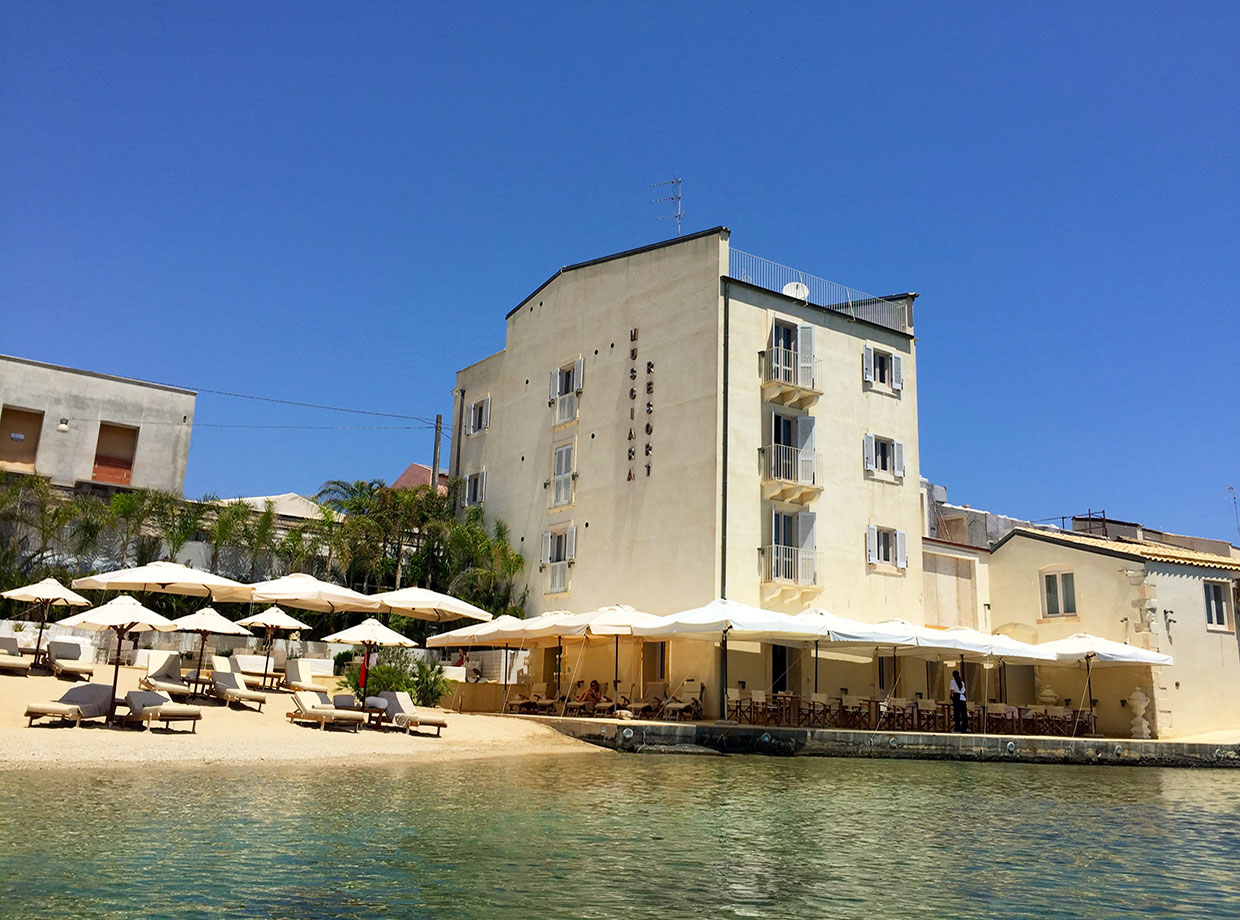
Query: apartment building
point(80, 429)
point(685, 421)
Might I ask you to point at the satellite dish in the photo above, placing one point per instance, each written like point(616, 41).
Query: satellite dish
point(796, 290)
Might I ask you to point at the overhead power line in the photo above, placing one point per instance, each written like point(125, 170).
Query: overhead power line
point(303, 405)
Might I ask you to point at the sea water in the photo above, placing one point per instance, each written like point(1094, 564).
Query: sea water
point(622, 836)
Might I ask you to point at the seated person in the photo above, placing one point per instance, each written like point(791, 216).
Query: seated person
point(591, 694)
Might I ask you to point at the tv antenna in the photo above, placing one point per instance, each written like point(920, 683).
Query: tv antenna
point(1235, 506)
point(680, 211)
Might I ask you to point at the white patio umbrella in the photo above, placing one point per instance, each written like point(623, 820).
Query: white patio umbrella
point(369, 634)
point(47, 593)
point(209, 622)
point(475, 633)
point(167, 578)
point(123, 615)
point(429, 605)
point(1096, 651)
point(305, 592)
point(272, 619)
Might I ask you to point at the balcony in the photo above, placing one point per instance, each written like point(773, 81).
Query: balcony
point(788, 379)
point(790, 474)
point(894, 314)
point(789, 572)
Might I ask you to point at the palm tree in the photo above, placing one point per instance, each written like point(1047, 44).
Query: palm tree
point(89, 526)
point(258, 536)
point(47, 512)
point(359, 497)
point(225, 526)
point(129, 513)
point(485, 565)
point(177, 520)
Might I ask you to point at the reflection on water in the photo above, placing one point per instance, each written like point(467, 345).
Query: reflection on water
point(622, 836)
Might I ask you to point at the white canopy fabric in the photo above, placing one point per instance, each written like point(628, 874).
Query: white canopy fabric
point(370, 632)
point(123, 613)
point(617, 620)
point(167, 578)
point(842, 631)
point(49, 592)
point(273, 618)
point(429, 605)
point(1083, 646)
point(475, 633)
point(207, 620)
point(308, 593)
point(976, 642)
point(741, 621)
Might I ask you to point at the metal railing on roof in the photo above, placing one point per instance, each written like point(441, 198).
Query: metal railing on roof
point(782, 279)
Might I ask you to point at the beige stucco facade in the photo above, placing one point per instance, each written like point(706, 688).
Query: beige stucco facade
point(1126, 597)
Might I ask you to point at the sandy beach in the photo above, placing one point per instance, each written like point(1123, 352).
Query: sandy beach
point(228, 736)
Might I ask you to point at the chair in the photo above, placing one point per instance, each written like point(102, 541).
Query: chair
point(311, 708)
point(540, 701)
point(817, 713)
point(854, 713)
point(297, 675)
point(520, 703)
point(403, 714)
point(1000, 719)
point(66, 658)
point(762, 709)
point(85, 701)
point(897, 714)
point(930, 716)
point(1057, 721)
point(738, 705)
point(11, 656)
point(232, 688)
point(606, 708)
point(1031, 719)
point(687, 703)
point(583, 707)
point(651, 701)
point(147, 706)
point(163, 674)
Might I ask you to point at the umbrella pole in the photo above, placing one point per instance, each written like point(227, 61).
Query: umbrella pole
point(116, 675)
point(559, 663)
point(271, 638)
point(505, 664)
point(365, 671)
point(202, 650)
point(615, 677)
point(816, 665)
point(723, 675)
point(1089, 690)
point(46, 607)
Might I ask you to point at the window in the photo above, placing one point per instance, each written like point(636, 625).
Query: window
point(562, 476)
point(478, 416)
point(475, 488)
point(793, 551)
point(1058, 594)
point(1218, 608)
point(19, 438)
point(882, 369)
point(790, 455)
point(563, 387)
point(886, 547)
point(559, 548)
point(885, 455)
point(791, 357)
point(115, 453)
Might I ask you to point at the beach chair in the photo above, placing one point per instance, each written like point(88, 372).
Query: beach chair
point(540, 701)
point(817, 712)
point(147, 706)
point(1000, 719)
point(85, 701)
point(163, 674)
point(737, 705)
point(648, 705)
point(232, 688)
point(11, 658)
point(65, 658)
point(582, 708)
point(404, 715)
point(311, 708)
point(930, 716)
point(297, 675)
point(855, 713)
point(606, 708)
point(897, 714)
point(686, 705)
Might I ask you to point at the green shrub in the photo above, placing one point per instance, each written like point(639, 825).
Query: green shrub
point(393, 670)
point(429, 684)
point(341, 662)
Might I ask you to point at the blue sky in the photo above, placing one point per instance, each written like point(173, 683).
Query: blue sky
point(338, 203)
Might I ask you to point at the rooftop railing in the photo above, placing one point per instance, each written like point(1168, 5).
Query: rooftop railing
point(772, 276)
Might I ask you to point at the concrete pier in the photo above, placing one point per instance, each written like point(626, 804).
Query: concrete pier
point(727, 738)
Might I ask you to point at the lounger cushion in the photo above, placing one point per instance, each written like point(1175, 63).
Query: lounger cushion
point(14, 663)
point(87, 700)
point(8, 646)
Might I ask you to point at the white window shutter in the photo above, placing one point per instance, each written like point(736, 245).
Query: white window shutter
point(554, 389)
point(897, 372)
point(570, 543)
point(867, 365)
point(773, 523)
point(870, 463)
point(469, 419)
point(871, 544)
point(546, 547)
point(486, 412)
point(578, 366)
point(806, 538)
point(805, 449)
point(901, 549)
point(482, 485)
point(807, 548)
point(899, 459)
point(805, 356)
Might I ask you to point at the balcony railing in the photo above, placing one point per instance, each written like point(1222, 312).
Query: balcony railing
point(791, 464)
point(557, 577)
point(565, 408)
point(790, 565)
point(786, 365)
point(763, 273)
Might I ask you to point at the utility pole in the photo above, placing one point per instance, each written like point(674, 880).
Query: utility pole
point(435, 461)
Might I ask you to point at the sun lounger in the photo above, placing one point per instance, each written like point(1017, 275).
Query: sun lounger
point(541, 701)
point(163, 674)
point(648, 705)
point(85, 701)
point(147, 706)
point(606, 708)
point(65, 658)
point(311, 708)
point(11, 656)
point(404, 715)
point(687, 703)
point(297, 675)
point(232, 688)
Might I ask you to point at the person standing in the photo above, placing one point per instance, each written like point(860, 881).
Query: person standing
point(960, 708)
